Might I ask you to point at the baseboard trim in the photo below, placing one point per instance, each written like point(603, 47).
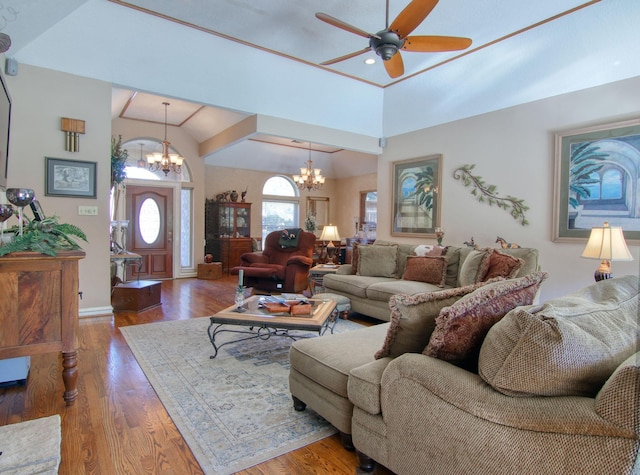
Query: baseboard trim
point(95, 312)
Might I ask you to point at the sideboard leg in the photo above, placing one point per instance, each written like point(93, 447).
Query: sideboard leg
point(70, 376)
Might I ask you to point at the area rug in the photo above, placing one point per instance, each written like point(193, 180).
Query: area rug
point(31, 447)
point(234, 411)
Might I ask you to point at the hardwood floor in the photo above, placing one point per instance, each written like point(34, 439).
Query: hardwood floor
point(118, 425)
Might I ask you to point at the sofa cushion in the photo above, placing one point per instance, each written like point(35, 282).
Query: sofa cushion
point(432, 270)
point(568, 346)
point(502, 265)
point(617, 400)
point(327, 360)
point(355, 285)
point(413, 318)
point(474, 266)
point(461, 328)
point(383, 289)
point(377, 261)
point(453, 264)
point(530, 257)
point(403, 251)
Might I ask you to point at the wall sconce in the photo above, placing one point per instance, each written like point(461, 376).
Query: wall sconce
point(72, 129)
point(607, 244)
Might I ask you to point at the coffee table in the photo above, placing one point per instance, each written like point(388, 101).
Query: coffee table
point(261, 324)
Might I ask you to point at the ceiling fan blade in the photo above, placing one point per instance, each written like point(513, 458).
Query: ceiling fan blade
point(434, 44)
point(395, 65)
point(412, 15)
point(344, 26)
point(346, 56)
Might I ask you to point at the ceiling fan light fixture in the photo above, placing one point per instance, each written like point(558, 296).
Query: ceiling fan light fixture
point(386, 45)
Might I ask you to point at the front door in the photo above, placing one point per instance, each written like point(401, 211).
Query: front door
point(150, 233)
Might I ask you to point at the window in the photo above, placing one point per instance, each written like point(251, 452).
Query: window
point(606, 184)
point(368, 219)
point(186, 213)
point(280, 205)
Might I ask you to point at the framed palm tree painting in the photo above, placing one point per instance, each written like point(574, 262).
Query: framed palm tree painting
point(597, 179)
point(416, 190)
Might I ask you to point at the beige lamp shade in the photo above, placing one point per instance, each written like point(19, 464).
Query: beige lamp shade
point(330, 233)
point(607, 244)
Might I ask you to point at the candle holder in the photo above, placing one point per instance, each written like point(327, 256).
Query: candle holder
point(6, 211)
point(239, 299)
point(439, 236)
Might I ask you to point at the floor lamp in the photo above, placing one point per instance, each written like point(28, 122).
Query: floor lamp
point(607, 244)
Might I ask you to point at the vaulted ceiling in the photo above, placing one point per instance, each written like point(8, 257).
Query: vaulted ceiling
point(525, 49)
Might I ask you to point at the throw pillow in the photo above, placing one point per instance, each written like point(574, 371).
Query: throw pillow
point(377, 261)
point(355, 257)
point(569, 346)
point(474, 267)
point(432, 270)
point(413, 319)
point(461, 328)
point(502, 265)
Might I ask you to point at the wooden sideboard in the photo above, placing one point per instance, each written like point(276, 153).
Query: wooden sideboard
point(39, 309)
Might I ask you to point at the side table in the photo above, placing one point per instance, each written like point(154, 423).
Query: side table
point(316, 276)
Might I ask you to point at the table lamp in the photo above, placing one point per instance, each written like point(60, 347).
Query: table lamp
point(330, 233)
point(607, 244)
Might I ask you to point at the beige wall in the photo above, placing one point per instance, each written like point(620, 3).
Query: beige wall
point(514, 150)
point(40, 98)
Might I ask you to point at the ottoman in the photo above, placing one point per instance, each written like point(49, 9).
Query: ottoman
point(344, 303)
point(320, 370)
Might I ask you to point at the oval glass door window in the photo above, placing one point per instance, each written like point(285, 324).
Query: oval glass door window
point(149, 221)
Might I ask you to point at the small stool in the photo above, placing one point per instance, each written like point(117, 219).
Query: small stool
point(343, 306)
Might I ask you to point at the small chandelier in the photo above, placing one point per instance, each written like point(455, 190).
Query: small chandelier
point(309, 178)
point(165, 161)
point(142, 163)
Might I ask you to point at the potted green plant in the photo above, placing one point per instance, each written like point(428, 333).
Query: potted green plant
point(46, 237)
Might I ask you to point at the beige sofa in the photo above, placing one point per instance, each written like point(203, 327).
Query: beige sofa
point(557, 387)
point(371, 287)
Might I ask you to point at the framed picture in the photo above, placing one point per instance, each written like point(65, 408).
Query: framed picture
point(597, 176)
point(416, 196)
point(38, 214)
point(71, 178)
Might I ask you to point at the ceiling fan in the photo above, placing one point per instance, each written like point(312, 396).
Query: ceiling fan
point(387, 43)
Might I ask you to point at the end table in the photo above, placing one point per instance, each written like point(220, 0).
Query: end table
point(316, 276)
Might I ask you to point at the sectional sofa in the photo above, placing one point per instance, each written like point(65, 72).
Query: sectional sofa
point(380, 270)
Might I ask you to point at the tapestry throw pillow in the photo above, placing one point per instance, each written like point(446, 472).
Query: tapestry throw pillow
point(502, 265)
point(413, 319)
point(377, 261)
point(461, 328)
point(432, 270)
point(567, 346)
point(474, 267)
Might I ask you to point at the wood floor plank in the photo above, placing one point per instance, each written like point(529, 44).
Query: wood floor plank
point(118, 425)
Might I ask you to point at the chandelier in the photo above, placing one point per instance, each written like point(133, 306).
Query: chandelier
point(165, 161)
point(309, 178)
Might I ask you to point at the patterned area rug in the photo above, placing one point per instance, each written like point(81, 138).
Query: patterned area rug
point(234, 411)
point(31, 447)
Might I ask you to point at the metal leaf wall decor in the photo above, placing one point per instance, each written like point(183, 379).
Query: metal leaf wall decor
point(487, 194)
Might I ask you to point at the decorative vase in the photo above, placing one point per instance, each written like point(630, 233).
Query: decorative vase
point(234, 196)
point(208, 258)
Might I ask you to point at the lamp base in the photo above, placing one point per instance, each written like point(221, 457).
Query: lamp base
point(602, 275)
point(603, 272)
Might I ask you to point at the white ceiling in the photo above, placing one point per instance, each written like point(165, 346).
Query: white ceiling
point(504, 34)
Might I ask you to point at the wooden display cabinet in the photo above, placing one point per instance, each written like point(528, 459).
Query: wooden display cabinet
point(227, 231)
point(39, 309)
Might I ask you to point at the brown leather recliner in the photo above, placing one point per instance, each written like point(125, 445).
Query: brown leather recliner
point(283, 264)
